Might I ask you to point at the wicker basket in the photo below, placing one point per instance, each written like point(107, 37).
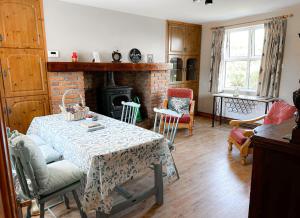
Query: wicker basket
point(78, 115)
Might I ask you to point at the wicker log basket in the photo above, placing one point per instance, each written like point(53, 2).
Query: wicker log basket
point(75, 112)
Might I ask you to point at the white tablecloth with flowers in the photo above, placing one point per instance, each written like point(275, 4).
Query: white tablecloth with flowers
point(109, 157)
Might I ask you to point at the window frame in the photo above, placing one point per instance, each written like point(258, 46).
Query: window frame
point(249, 58)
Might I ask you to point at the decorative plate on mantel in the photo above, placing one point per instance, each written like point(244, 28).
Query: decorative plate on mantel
point(135, 55)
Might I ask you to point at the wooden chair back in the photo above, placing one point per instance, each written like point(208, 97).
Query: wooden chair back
point(166, 123)
point(129, 112)
point(24, 170)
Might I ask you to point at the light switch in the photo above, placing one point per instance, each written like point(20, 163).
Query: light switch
point(53, 54)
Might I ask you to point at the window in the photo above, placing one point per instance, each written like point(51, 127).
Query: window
point(242, 58)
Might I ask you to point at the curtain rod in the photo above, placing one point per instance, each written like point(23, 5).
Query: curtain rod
point(255, 21)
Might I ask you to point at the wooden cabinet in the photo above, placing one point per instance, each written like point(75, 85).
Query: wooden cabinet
point(184, 39)
point(275, 190)
point(23, 72)
point(21, 24)
point(23, 79)
point(21, 110)
point(176, 38)
point(183, 52)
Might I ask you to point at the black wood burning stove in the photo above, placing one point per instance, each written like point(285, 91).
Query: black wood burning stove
point(111, 96)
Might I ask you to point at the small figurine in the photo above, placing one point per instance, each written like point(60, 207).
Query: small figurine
point(74, 57)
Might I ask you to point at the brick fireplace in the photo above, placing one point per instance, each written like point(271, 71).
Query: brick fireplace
point(149, 83)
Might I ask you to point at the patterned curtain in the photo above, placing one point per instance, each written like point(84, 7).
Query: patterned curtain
point(216, 58)
point(271, 64)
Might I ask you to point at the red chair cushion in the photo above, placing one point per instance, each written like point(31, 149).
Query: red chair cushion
point(180, 93)
point(279, 112)
point(184, 119)
point(238, 136)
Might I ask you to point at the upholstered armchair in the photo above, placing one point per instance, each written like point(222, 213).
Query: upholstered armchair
point(241, 138)
point(187, 120)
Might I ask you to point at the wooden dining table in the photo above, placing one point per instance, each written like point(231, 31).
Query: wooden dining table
point(109, 157)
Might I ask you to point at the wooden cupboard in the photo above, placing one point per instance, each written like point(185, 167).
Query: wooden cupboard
point(184, 42)
point(21, 110)
point(23, 72)
point(184, 38)
point(21, 24)
point(23, 80)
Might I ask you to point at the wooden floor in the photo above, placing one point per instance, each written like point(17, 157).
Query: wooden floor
point(213, 183)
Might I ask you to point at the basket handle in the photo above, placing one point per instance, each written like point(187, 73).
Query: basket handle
point(66, 92)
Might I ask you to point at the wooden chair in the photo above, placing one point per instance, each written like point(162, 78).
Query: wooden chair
point(187, 120)
point(167, 126)
point(129, 112)
point(241, 138)
point(47, 181)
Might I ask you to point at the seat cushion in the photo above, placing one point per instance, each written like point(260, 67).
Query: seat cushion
point(30, 152)
point(280, 112)
point(185, 118)
point(61, 174)
point(238, 136)
point(180, 105)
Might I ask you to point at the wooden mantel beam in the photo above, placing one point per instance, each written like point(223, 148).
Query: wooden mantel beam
point(105, 67)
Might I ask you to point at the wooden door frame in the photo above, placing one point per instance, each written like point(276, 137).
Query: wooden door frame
point(7, 192)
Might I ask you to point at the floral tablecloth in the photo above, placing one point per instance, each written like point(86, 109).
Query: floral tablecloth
point(109, 157)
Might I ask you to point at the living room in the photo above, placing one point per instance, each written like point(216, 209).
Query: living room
point(149, 109)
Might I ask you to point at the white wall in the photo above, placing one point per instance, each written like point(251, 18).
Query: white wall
point(291, 64)
point(84, 29)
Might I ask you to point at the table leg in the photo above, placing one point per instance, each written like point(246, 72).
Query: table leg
point(213, 112)
point(221, 110)
point(159, 184)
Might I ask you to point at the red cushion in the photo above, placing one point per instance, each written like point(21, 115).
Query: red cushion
point(238, 136)
point(279, 112)
point(180, 93)
point(184, 119)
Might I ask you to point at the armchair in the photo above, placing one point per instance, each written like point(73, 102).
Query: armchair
point(187, 120)
point(241, 138)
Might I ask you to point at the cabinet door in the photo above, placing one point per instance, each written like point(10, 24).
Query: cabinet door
point(177, 72)
point(21, 111)
point(192, 67)
point(20, 24)
point(176, 38)
point(192, 39)
point(23, 72)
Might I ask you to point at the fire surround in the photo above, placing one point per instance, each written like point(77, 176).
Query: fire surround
point(149, 82)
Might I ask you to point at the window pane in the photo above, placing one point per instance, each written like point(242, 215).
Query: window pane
point(254, 74)
point(239, 41)
point(259, 41)
point(236, 74)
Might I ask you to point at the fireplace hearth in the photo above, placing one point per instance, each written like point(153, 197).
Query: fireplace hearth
point(147, 81)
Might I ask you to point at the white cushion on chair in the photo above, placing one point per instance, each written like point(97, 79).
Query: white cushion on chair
point(61, 174)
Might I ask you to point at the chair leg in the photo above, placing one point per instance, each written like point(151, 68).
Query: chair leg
point(42, 210)
point(175, 167)
point(230, 146)
point(66, 200)
point(28, 213)
point(82, 213)
point(190, 130)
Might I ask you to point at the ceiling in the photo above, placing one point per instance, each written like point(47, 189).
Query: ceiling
point(187, 10)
